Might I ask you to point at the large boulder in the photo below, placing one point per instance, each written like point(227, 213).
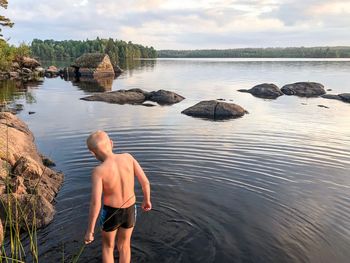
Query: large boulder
point(212, 109)
point(119, 97)
point(342, 97)
point(29, 183)
point(265, 90)
point(304, 89)
point(165, 97)
point(28, 62)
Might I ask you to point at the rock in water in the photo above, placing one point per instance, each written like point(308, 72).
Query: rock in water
point(342, 97)
point(265, 90)
point(212, 109)
point(345, 97)
point(119, 97)
point(304, 89)
point(165, 97)
point(331, 97)
point(136, 96)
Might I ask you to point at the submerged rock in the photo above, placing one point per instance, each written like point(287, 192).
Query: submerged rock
point(342, 97)
point(265, 90)
point(212, 109)
point(31, 184)
point(323, 106)
point(136, 96)
point(304, 89)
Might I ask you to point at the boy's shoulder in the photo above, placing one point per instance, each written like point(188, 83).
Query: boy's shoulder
point(125, 154)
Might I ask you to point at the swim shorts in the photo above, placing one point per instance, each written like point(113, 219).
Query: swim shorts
point(112, 218)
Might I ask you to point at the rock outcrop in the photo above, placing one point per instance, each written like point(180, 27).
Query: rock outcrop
point(26, 183)
point(25, 68)
point(342, 97)
point(265, 90)
point(212, 109)
point(304, 89)
point(136, 96)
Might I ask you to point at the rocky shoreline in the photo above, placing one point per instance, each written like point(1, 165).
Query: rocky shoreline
point(27, 184)
point(27, 68)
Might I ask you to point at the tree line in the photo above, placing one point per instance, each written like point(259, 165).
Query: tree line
point(289, 52)
point(8, 53)
point(68, 49)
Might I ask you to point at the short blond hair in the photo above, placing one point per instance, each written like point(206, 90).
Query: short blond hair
point(97, 139)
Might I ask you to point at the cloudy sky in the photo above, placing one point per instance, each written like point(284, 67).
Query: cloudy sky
point(185, 24)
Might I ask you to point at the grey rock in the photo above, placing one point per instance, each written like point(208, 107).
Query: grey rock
point(304, 89)
point(26, 71)
point(165, 97)
point(136, 96)
point(118, 97)
point(331, 97)
point(265, 90)
point(212, 109)
point(14, 75)
point(345, 97)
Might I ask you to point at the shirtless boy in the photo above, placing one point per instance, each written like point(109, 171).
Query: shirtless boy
point(114, 178)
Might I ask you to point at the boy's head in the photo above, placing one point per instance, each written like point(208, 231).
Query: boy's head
point(99, 144)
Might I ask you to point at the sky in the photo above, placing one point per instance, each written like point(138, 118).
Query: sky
point(184, 24)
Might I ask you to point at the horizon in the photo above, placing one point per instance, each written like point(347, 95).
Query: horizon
point(169, 25)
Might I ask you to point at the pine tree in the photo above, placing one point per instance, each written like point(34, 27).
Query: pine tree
point(4, 21)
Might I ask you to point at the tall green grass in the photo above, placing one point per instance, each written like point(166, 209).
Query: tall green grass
point(19, 223)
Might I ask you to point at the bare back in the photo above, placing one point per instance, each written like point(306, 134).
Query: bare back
point(117, 175)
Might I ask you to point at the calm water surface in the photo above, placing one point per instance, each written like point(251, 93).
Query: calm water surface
point(273, 186)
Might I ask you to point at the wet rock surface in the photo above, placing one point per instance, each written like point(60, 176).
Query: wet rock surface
point(213, 109)
point(265, 90)
point(136, 96)
point(345, 97)
point(304, 89)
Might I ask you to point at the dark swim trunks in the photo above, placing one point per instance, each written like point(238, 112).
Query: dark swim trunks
point(112, 218)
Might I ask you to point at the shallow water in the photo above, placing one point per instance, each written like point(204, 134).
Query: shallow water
point(273, 186)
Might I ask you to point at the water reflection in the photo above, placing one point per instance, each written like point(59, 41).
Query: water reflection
point(96, 84)
point(15, 92)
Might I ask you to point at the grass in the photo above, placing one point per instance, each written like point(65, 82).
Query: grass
point(19, 221)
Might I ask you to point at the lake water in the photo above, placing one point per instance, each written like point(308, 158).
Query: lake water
point(272, 186)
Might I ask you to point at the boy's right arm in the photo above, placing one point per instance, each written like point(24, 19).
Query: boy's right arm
point(146, 189)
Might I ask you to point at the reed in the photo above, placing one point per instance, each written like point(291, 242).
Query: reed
point(19, 223)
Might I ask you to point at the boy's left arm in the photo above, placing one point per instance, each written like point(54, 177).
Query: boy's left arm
point(95, 205)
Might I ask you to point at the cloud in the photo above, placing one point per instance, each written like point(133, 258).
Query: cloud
point(187, 24)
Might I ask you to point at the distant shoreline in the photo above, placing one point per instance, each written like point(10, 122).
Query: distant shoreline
point(277, 52)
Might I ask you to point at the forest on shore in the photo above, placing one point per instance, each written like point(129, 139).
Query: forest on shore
point(69, 49)
point(288, 52)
